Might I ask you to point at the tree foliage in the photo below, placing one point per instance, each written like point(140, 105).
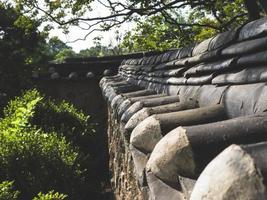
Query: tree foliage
point(7, 191)
point(155, 33)
point(80, 12)
point(63, 54)
point(23, 49)
point(20, 42)
point(161, 32)
point(54, 46)
point(51, 195)
point(181, 18)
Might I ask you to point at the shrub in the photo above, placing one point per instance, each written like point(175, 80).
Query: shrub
point(66, 120)
point(51, 116)
point(45, 156)
point(37, 161)
point(69, 122)
point(51, 195)
point(7, 191)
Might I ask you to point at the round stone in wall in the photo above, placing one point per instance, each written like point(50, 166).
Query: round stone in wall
point(90, 75)
point(73, 75)
point(55, 75)
point(107, 72)
point(51, 70)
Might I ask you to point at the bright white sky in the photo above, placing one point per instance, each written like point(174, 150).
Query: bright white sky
point(76, 32)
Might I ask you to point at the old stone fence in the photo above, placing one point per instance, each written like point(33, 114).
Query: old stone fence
point(191, 123)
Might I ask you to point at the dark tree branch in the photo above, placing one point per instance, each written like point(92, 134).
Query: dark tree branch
point(121, 12)
point(214, 13)
point(114, 24)
point(170, 20)
point(253, 9)
point(225, 25)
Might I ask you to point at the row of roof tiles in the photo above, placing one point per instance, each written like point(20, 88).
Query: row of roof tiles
point(196, 125)
point(174, 141)
point(252, 30)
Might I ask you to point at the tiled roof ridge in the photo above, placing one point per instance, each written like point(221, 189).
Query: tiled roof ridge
point(193, 120)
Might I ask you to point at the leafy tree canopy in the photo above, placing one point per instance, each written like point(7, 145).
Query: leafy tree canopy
point(20, 44)
point(55, 45)
point(63, 54)
point(65, 13)
point(164, 31)
point(156, 33)
point(23, 49)
point(164, 23)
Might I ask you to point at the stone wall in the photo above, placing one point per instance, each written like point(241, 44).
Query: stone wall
point(84, 94)
point(121, 165)
point(191, 123)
